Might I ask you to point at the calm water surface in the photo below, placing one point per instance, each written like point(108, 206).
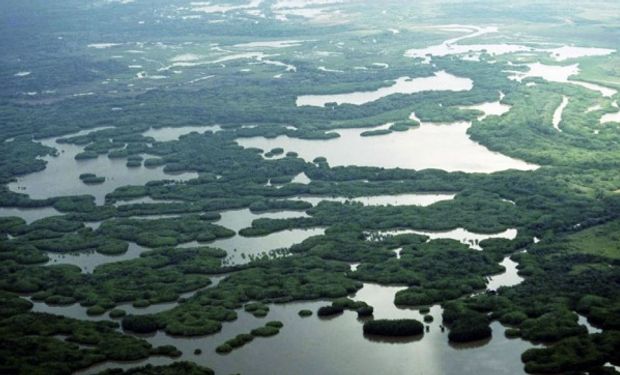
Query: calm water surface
point(440, 81)
point(382, 200)
point(441, 146)
point(337, 345)
point(61, 175)
point(459, 234)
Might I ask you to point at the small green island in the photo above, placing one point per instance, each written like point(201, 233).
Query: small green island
point(92, 179)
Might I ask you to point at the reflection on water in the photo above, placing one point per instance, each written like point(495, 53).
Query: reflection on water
point(441, 146)
point(315, 346)
point(422, 199)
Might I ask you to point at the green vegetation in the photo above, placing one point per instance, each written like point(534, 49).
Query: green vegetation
point(140, 323)
point(177, 368)
point(257, 309)
point(573, 354)
point(396, 327)
point(468, 326)
point(31, 343)
point(265, 331)
point(86, 155)
point(403, 125)
point(117, 313)
point(164, 232)
point(571, 203)
point(602, 240)
point(372, 133)
point(365, 311)
point(236, 342)
point(275, 324)
point(275, 152)
point(91, 179)
point(326, 311)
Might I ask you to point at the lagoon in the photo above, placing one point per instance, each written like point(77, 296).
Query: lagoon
point(61, 174)
point(431, 145)
point(320, 346)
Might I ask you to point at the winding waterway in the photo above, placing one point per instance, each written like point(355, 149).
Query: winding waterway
point(440, 81)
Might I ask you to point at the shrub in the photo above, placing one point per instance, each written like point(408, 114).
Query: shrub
point(330, 310)
point(117, 313)
point(140, 323)
point(365, 311)
point(470, 327)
